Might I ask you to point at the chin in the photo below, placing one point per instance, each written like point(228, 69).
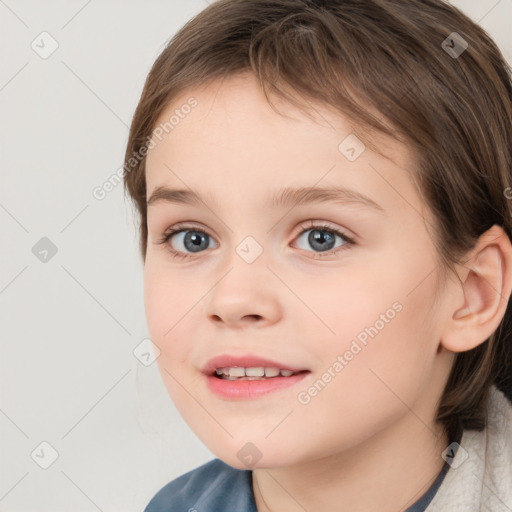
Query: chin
point(253, 456)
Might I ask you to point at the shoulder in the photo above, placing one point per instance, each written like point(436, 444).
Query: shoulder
point(481, 470)
point(498, 457)
point(213, 486)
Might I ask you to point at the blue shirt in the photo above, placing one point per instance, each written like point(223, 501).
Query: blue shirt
point(216, 486)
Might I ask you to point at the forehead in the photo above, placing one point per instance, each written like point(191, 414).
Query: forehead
point(232, 138)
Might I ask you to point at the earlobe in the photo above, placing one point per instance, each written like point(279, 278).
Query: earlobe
point(486, 290)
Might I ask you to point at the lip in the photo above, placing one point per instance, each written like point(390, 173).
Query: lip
point(249, 361)
point(251, 389)
point(247, 389)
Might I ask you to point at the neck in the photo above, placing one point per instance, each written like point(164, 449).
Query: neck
point(388, 472)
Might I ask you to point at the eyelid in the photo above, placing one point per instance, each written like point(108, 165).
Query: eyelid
point(321, 224)
point(186, 226)
point(304, 225)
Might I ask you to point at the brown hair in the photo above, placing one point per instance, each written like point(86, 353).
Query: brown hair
point(452, 107)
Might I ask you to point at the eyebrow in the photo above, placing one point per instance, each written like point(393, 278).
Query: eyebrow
point(287, 197)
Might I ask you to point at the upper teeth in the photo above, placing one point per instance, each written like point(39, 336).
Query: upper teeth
point(260, 371)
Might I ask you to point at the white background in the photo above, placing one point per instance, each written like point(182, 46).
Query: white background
point(69, 326)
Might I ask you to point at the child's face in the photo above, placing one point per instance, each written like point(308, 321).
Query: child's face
point(291, 304)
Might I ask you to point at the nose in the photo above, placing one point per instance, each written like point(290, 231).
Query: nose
point(245, 296)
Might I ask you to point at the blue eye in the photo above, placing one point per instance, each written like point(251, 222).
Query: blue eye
point(195, 240)
point(323, 238)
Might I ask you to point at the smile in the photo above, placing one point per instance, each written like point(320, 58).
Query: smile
point(246, 386)
point(255, 373)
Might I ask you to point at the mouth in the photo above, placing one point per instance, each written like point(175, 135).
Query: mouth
point(248, 366)
point(253, 373)
point(249, 377)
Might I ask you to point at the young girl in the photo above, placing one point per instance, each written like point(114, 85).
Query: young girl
point(324, 196)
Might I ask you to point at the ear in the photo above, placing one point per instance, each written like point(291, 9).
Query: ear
point(481, 301)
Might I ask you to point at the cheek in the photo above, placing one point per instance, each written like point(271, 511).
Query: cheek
point(391, 353)
point(383, 379)
point(383, 337)
point(168, 299)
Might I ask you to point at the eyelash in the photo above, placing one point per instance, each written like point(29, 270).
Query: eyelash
point(310, 225)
